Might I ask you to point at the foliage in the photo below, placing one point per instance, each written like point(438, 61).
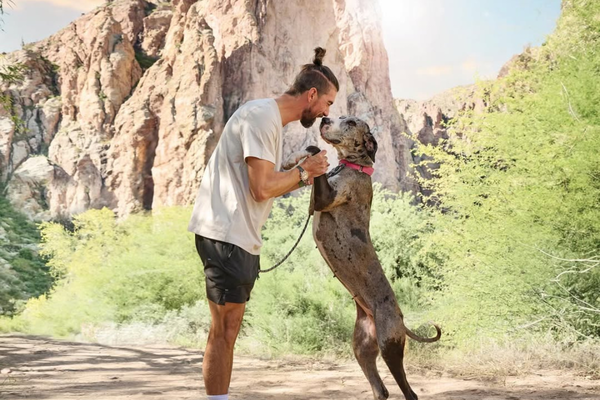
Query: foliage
point(301, 307)
point(145, 270)
point(23, 273)
point(2, 9)
point(400, 230)
point(107, 270)
point(10, 74)
point(518, 194)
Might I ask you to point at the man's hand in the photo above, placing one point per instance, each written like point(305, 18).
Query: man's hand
point(315, 165)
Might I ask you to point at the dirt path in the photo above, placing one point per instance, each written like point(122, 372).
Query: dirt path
point(42, 368)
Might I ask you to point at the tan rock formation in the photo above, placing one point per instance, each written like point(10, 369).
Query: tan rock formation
point(28, 188)
point(133, 137)
point(34, 100)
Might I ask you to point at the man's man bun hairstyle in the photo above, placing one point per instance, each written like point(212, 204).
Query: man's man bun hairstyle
point(314, 75)
point(319, 54)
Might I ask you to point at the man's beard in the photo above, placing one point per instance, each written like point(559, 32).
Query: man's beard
point(308, 118)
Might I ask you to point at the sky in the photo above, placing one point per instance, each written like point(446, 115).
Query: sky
point(432, 45)
point(435, 45)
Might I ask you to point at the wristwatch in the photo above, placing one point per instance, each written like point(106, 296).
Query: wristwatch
point(303, 175)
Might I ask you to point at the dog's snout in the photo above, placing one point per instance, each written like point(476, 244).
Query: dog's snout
point(326, 122)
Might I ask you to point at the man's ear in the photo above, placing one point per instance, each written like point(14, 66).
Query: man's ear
point(370, 145)
point(312, 94)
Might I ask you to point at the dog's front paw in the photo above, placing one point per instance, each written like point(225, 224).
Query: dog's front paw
point(294, 159)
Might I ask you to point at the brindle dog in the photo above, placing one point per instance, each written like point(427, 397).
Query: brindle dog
point(341, 203)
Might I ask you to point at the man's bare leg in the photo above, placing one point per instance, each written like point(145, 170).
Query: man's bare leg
point(218, 357)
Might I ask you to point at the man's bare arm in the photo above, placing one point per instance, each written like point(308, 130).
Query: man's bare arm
point(266, 183)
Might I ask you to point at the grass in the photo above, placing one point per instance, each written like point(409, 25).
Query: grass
point(493, 359)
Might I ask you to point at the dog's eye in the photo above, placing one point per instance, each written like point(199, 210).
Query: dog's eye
point(351, 123)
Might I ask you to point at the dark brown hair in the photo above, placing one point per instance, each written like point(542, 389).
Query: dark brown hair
point(314, 75)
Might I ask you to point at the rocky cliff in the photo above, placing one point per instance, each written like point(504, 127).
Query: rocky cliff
point(428, 120)
point(123, 107)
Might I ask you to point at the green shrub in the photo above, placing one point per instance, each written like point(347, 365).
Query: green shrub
point(23, 273)
point(518, 195)
point(144, 271)
point(301, 307)
point(139, 269)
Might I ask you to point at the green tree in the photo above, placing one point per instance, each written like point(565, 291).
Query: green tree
point(518, 193)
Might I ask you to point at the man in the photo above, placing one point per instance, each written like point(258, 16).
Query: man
point(235, 198)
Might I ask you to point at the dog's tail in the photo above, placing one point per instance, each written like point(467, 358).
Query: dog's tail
point(414, 336)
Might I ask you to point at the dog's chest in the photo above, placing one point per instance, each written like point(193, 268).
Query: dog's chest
point(338, 235)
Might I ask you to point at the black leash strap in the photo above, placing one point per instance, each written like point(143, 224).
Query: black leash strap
point(291, 251)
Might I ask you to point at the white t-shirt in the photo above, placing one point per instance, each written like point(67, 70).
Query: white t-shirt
point(225, 209)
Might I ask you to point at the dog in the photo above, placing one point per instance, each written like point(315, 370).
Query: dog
point(341, 205)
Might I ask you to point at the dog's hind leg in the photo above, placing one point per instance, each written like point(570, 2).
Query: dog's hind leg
point(391, 339)
point(366, 351)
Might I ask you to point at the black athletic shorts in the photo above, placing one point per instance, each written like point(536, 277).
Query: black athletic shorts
point(230, 271)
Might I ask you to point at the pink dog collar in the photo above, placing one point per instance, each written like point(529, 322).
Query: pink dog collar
point(367, 170)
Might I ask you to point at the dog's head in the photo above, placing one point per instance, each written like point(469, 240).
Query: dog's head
point(351, 137)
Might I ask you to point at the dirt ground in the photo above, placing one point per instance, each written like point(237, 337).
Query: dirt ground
point(43, 368)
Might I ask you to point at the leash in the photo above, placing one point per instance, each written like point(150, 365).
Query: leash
point(291, 251)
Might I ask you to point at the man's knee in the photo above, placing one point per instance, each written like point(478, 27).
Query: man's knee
point(226, 333)
point(233, 324)
point(226, 323)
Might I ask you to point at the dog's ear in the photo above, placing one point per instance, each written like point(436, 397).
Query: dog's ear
point(370, 144)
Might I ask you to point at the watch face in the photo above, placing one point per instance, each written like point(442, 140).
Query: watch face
point(303, 174)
